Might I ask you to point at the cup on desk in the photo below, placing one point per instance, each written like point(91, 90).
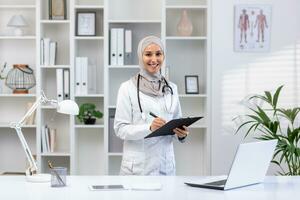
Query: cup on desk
point(58, 176)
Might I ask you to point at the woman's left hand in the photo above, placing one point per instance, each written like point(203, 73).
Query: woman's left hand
point(181, 133)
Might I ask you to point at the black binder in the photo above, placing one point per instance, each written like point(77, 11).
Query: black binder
point(167, 129)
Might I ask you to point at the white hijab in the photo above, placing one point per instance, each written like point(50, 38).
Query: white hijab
point(150, 84)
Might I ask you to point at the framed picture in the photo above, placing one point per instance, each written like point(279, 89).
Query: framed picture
point(191, 84)
point(252, 28)
point(57, 9)
point(86, 24)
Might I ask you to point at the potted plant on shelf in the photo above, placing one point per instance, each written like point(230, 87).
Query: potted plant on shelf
point(272, 122)
point(88, 113)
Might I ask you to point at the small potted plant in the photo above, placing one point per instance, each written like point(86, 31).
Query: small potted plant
point(88, 113)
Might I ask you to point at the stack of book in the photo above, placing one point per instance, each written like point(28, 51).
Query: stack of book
point(48, 139)
point(48, 52)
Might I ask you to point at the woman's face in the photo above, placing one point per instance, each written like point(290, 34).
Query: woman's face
point(153, 58)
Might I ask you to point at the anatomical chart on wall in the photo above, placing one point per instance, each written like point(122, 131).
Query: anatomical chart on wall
point(252, 28)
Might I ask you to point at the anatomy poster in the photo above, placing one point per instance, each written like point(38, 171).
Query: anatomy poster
point(252, 28)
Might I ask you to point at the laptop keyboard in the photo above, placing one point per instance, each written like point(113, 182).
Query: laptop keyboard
point(217, 183)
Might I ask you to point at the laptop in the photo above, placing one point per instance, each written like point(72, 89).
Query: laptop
point(249, 167)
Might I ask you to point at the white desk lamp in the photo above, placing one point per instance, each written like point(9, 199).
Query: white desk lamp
point(65, 107)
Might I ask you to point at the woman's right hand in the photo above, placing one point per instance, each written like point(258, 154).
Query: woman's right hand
point(157, 123)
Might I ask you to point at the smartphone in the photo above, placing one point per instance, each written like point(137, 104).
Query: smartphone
point(106, 187)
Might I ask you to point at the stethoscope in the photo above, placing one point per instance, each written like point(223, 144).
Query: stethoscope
point(165, 88)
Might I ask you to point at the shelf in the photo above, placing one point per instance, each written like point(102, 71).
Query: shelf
point(112, 107)
point(90, 95)
point(55, 154)
point(18, 95)
point(186, 38)
point(187, 7)
point(115, 154)
point(90, 126)
point(55, 21)
point(123, 67)
point(89, 7)
point(6, 125)
point(55, 66)
point(89, 38)
point(192, 95)
point(17, 6)
point(134, 21)
point(48, 107)
point(25, 37)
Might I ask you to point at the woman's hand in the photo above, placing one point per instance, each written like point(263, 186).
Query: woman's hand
point(181, 133)
point(157, 123)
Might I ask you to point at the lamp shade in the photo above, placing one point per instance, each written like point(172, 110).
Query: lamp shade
point(17, 21)
point(68, 107)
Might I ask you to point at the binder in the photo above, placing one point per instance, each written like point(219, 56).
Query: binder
point(167, 129)
point(78, 81)
point(128, 47)
point(46, 51)
point(59, 84)
point(42, 52)
point(52, 53)
point(92, 74)
point(120, 49)
point(52, 139)
point(43, 140)
point(113, 46)
point(66, 84)
point(84, 75)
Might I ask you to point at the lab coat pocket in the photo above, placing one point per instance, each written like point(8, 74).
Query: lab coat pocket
point(138, 167)
point(126, 167)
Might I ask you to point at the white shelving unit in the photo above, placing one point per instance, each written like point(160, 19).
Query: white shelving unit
point(94, 149)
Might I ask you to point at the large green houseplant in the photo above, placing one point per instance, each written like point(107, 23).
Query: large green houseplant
point(271, 122)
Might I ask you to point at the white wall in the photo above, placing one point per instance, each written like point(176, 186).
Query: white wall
point(235, 75)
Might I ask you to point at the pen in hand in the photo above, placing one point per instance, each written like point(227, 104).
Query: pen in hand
point(153, 115)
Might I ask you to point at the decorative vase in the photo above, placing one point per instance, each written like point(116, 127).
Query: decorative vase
point(184, 26)
point(90, 121)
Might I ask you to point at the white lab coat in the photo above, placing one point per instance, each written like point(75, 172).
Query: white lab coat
point(152, 156)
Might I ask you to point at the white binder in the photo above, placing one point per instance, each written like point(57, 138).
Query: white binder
point(113, 46)
point(42, 56)
point(59, 84)
point(128, 47)
point(78, 81)
point(84, 75)
point(66, 84)
point(120, 50)
point(46, 51)
point(52, 56)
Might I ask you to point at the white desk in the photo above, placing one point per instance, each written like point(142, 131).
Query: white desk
point(15, 188)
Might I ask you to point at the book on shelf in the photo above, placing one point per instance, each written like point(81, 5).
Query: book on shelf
point(48, 139)
point(128, 47)
point(48, 52)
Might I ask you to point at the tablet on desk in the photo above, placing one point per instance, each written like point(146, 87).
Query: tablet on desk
point(106, 187)
point(167, 129)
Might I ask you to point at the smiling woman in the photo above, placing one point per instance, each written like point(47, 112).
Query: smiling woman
point(146, 92)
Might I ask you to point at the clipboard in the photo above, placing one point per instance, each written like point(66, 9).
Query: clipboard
point(167, 129)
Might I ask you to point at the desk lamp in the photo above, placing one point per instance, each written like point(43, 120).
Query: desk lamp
point(65, 107)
